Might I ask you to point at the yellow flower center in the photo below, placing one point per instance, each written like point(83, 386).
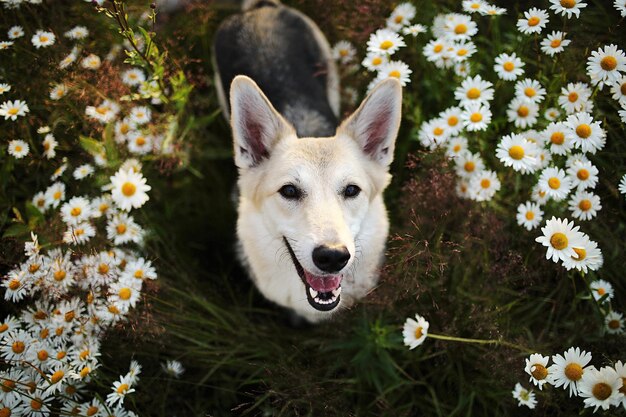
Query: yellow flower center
point(554, 183)
point(453, 121)
point(128, 189)
point(120, 229)
point(76, 211)
point(473, 93)
point(583, 130)
point(113, 309)
point(438, 48)
point(138, 274)
point(419, 332)
point(395, 74)
point(533, 21)
point(122, 388)
point(42, 355)
point(530, 215)
point(102, 109)
point(508, 66)
point(522, 111)
point(572, 97)
point(573, 371)
point(437, 131)
point(462, 52)
point(539, 371)
point(18, 148)
point(608, 63)
point(84, 354)
point(103, 269)
point(70, 390)
point(582, 254)
point(59, 275)
point(386, 45)
point(555, 43)
point(140, 141)
point(614, 325)
point(18, 347)
point(582, 174)
point(530, 92)
point(4, 327)
point(61, 355)
point(559, 241)
point(557, 138)
point(56, 195)
point(43, 38)
point(601, 291)
point(456, 148)
point(36, 404)
point(460, 29)
point(57, 376)
point(469, 166)
point(516, 152)
point(475, 6)
point(584, 205)
point(399, 18)
point(14, 284)
point(124, 293)
point(602, 391)
point(13, 111)
point(343, 52)
point(40, 315)
point(622, 89)
point(91, 410)
point(69, 316)
point(7, 385)
point(377, 61)
point(476, 117)
point(84, 372)
point(5, 412)
point(485, 183)
point(59, 331)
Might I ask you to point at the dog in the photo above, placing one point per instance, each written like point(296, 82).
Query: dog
point(312, 224)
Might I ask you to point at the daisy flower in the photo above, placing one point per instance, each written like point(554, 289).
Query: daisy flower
point(58, 92)
point(462, 188)
point(452, 116)
point(473, 6)
point(133, 77)
point(83, 171)
point(588, 256)
point(622, 185)
point(529, 215)
point(39, 201)
point(530, 90)
point(15, 32)
point(415, 331)
point(524, 396)
point(537, 368)
point(614, 323)
point(584, 205)
point(140, 115)
point(574, 97)
point(620, 6)
point(104, 113)
point(344, 52)
point(476, 117)
point(560, 237)
point(622, 115)
point(123, 128)
point(124, 294)
point(140, 269)
point(600, 388)
point(463, 50)
point(517, 152)
point(567, 7)
point(556, 135)
point(133, 372)
point(395, 69)
point(569, 368)
point(456, 146)
point(138, 143)
point(474, 90)
point(552, 114)
point(16, 346)
point(79, 233)
point(462, 69)
point(60, 170)
point(583, 174)
point(69, 59)
point(121, 228)
point(460, 27)
point(484, 185)
point(491, 10)
point(554, 43)
point(619, 91)
point(374, 61)
point(508, 67)
point(17, 285)
point(401, 16)
point(42, 39)
point(37, 405)
point(76, 210)
point(620, 368)
point(120, 390)
point(533, 22)
point(173, 368)
point(91, 62)
point(439, 52)
point(384, 41)
point(522, 113)
point(433, 133)
point(601, 288)
point(49, 146)
point(555, 183)
point(584, 133)
point(77, 33)
point(414, 30)
point(18, 148)
point(605, 65)
point(12, 109)
point(4, 88)
point(5, 45)
point(129, 189)
point(468, 164)
point(55, 194)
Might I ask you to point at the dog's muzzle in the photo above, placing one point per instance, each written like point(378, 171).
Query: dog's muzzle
point(323, 292)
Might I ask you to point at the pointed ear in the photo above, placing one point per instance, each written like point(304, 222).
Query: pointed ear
point(374, 125)
point(256, 125)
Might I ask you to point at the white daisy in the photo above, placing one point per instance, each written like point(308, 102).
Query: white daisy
point(69, 59)
point(374, 61)
point(456, 145)
point(537, 368)
point(539, 195)
point(476, 117)
point(569, 368)
point(77, 33)
point(462, 188)
point(529, 215)
point(622, 185)
point(79, 233)
point(508, 67)
point(415, 331)
point(584, 133)
point(42, 39)
point(17, 285)
point(560, 237)
point(140, 115)
point(140, 269)
point(173, 368)
point(555, 183)
point(49, 146)
point(384, 41)
point(620, 367)
point(574, 97)
point(584, 205)
point(620, 6)
point(554, 43)
point(606, 65)
point(433, 133)
point(39, 201)
point(619, 91)
point(530, 90)
point(104, 113)
point(602, 289)
point(463, 50)
point(58, 91)
point(124, 294)
point(129, 189)
point(76, 210)
point(517, 152)
point(600, 388)
point(139, 143)
point(60, 170)
point(534, 21)
point(83, 171)
point(523, 113)
point(414, 30)
point(484, 185)
point(588, 256)
point(468, 164)
point(622, 115)
point(133, 77)
point(18, 148)
point(395, 69)
point(556, 135)
point(12, 109)
point(614, 323)
point(474, 90)
point(91, 62)
point(4, 88)
point(401, 16)
point(452, 116)
point(474, 6)
point(552, 114)
point(462, 69)
point(583, 174)
point(5, 45)
point(55, 194)
point(460, 27)
point(524, 396)
point(120, 389)
point(567, 7)
point(15, 32)
point(344, 52)
point(439, 52)
point(491, 10)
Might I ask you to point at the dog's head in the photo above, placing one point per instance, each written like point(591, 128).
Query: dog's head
point(314, 194)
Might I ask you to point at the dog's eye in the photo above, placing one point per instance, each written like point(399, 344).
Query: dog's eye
point(351, 191)
point(290, 192)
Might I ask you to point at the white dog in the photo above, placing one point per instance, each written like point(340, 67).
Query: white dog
point(312, 223)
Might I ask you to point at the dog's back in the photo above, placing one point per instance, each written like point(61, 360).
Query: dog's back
point(284, 52)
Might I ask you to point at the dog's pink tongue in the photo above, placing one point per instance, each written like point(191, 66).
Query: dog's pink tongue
point(324, 283)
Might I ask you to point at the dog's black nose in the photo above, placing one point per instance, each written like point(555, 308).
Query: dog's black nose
point(331, 258)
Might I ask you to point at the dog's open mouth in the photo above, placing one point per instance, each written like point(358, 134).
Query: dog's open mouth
point(323, 292)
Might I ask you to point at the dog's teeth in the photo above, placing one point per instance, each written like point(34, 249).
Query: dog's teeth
point(313, 292)
point(337, 291)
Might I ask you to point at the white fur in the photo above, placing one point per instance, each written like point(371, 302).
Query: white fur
point(322, 168)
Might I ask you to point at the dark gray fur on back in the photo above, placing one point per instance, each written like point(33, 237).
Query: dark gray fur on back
point(274, 45)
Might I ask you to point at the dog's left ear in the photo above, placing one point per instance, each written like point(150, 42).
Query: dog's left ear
point(374, 125)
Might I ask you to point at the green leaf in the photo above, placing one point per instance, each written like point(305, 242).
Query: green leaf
point(92, 146)
point(16, 230)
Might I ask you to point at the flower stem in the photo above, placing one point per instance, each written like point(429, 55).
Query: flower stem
point(498, 342)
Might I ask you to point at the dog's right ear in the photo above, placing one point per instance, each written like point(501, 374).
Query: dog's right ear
point(256, 125)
